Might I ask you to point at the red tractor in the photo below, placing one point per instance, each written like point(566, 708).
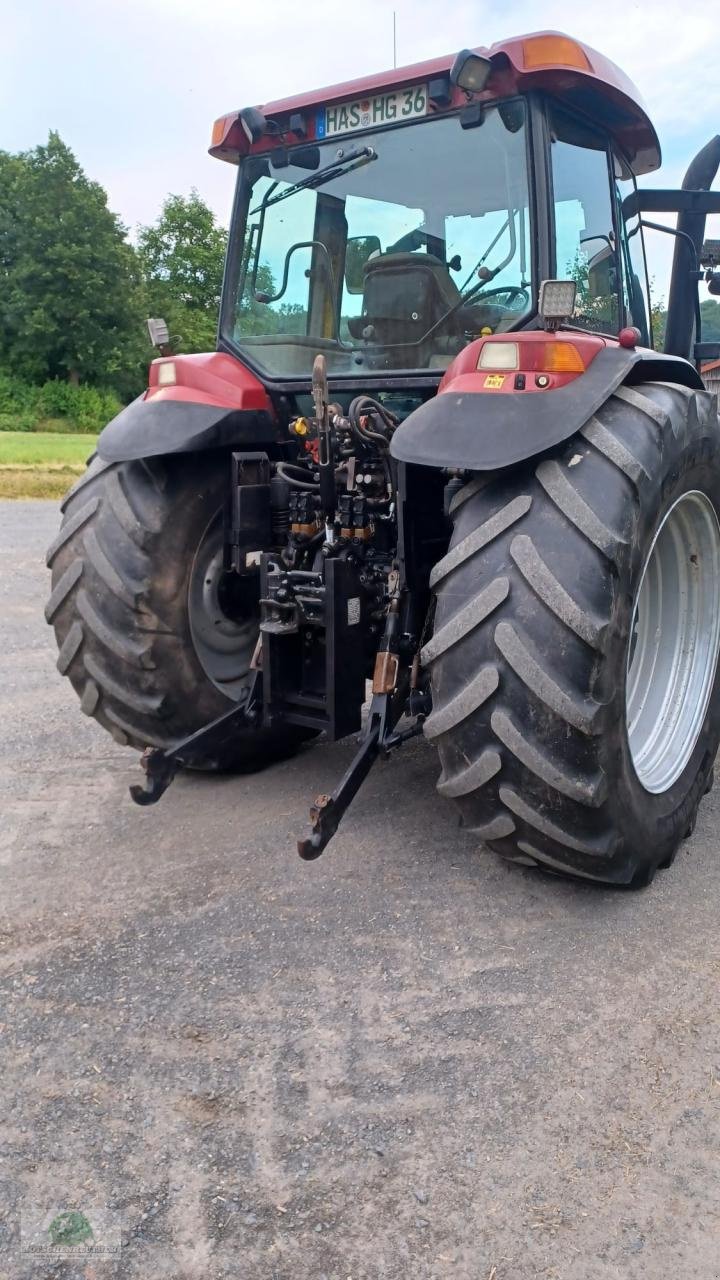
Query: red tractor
point(435, 449)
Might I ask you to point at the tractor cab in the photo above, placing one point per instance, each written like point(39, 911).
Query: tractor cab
point(394, 263)
point(390, 222)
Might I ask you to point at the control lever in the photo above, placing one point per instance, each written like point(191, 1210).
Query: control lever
point(326, 459)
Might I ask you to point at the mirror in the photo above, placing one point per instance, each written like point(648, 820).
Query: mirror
point(601, 270)
point(358, 251)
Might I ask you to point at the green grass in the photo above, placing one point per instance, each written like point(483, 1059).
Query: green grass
point(66, 427)
point(38, 465)
point(37, 449)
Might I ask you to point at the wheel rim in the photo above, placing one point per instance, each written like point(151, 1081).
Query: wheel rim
point(674, 642)
point(223, 614)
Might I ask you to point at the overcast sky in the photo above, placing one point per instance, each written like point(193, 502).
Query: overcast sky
point(134, 85)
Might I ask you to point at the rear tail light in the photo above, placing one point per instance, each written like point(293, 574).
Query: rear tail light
point(552, 356)
point(502, 356)
point(560, 357)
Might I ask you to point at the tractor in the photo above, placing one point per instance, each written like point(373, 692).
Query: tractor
point(436, 452)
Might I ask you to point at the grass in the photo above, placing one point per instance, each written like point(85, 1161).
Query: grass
point(34, 464)
point(37, 449)
point(66, 427)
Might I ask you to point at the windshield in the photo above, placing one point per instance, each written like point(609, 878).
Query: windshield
point(416, 241)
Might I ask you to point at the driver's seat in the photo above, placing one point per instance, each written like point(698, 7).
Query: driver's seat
point(404, 295)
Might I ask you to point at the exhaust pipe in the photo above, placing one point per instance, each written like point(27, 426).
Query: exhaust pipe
point(680, 327)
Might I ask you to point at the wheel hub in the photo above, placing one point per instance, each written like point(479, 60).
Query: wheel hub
point(674, 642)
point(223, 612)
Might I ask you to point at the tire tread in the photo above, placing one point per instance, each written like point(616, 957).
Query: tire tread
point(521, 707)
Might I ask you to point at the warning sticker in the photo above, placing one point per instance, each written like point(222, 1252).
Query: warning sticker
point(494, 381)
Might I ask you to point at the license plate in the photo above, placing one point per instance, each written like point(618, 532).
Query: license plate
point(371, 113)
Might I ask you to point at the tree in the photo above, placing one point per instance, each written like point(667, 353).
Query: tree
point(710, 320)
point(70, 305)
point(181, 257)
point(595, 283)
point(658, 316)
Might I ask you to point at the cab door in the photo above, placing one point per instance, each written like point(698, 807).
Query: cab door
point(584, 236)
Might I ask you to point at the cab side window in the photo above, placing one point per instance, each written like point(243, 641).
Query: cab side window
point(585, 243)
point(632, 251)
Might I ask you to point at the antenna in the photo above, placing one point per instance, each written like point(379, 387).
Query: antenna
point(394, 40)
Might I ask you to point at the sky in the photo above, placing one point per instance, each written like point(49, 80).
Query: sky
point(134, 86)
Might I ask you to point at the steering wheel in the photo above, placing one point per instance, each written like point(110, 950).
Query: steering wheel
point(518, 298)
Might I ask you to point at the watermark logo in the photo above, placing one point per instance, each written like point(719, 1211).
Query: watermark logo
point(89, 1231)
point(70, 1228)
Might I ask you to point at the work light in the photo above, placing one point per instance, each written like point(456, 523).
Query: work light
point(254, 124)
point(158, 331)
point(469, 71)
point(556, 302)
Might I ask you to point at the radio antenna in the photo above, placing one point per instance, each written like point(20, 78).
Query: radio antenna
point(394, 40)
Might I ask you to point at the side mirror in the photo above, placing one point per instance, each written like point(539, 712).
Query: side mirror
point(602, 272)
point(357, 253)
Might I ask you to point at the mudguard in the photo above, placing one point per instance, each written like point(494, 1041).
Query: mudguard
point(200, 402)
point(481, 430)
point(148, 428)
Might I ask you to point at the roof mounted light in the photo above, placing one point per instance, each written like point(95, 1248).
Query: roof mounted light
point(554, 50)
point(470, 71)
point(221, 128)
point(556, 302)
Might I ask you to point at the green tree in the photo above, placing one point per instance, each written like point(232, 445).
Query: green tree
point(595, 298)
point(659, 324)
point(710, 320)
point(181, 257)
point(70, 305)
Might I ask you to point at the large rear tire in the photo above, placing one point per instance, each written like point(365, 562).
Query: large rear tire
point(576, 698)
point(148, 637)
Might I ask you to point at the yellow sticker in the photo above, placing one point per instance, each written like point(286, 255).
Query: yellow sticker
point(494, 380)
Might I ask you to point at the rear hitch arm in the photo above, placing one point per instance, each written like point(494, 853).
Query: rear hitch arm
point(379, 738)
point(395, 693)
point(327, 811)
point(161, 764)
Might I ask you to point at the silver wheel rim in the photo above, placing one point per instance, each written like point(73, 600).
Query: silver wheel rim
point(674, 642)
point(224, 644)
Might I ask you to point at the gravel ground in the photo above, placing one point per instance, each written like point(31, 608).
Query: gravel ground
point(405, 1060)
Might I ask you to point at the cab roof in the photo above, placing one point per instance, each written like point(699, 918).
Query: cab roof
point(545, 60)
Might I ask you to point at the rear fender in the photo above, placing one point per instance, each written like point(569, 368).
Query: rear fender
point(479, 421)
point(193, 403)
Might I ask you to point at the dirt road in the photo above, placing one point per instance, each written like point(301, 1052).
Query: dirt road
point(402, 1061)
